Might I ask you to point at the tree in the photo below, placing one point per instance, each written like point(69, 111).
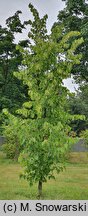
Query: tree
point(45, 64)
point(75, 18)
point(10, 60)
point(84, 135)
point(78, 105)
point(12, 92)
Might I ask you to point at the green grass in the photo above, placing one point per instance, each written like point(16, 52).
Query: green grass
point(72, 183)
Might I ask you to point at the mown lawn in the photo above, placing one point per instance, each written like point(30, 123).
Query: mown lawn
point(72, 183)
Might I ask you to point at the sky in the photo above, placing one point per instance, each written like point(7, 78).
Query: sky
point(50, 7)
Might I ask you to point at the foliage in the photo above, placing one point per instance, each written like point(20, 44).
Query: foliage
point(84, 135)
point(11, 132)
point(9, 150)
point(75, 18)
point(12, 92)
point(46, 136)
point(78, 105)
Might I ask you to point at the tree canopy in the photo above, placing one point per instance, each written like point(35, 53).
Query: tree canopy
point(10, 60)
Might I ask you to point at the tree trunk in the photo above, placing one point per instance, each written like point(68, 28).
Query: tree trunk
point(39, 189)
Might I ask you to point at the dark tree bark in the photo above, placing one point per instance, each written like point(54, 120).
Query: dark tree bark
point(39, 189)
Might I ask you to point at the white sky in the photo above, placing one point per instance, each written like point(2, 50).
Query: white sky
point(50, 7)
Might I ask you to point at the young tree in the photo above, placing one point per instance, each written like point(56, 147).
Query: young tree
point(45, 64)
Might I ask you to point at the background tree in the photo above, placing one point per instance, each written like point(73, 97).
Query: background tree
point(11, 89)
point(75, 18)
point(12, 92)
point(44, 114)
point(78, 104)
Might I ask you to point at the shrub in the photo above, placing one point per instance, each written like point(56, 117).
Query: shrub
point(10, 150)
point(11, 132)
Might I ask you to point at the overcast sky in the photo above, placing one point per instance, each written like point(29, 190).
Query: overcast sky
point(50, 7)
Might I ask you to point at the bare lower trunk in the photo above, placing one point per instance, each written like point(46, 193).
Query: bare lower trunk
point(39, 189)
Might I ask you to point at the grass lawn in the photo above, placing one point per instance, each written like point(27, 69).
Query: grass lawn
point(72, 183)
